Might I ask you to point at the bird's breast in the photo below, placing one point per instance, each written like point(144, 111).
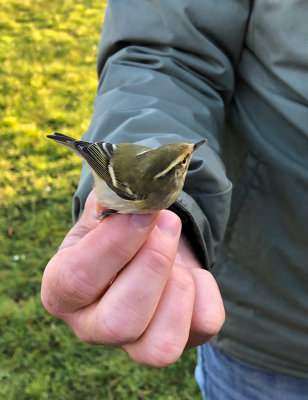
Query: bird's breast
point(158, 199)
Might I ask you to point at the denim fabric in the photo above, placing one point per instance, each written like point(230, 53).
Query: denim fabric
point(221, 377)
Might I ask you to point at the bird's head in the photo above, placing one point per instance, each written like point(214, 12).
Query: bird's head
point(170, 162)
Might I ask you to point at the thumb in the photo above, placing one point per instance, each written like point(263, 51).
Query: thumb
point(85, 224)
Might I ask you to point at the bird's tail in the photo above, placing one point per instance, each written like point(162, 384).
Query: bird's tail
point(67, 141)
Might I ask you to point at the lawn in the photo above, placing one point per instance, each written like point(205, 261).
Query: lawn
point(47, 83)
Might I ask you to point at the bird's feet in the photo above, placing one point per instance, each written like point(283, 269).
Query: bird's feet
point(105, 213)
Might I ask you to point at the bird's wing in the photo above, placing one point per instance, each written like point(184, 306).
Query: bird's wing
point(98, 155)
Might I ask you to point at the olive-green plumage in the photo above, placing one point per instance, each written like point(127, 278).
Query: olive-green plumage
point(130, 178)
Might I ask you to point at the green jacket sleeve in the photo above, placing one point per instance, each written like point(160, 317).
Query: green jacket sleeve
point(166, 73)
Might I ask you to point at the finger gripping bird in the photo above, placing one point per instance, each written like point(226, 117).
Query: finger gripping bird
point(129, 178)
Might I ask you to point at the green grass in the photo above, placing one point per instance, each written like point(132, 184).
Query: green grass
point(48, 82)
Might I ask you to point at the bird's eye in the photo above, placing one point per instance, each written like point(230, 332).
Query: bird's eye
point(183, 162)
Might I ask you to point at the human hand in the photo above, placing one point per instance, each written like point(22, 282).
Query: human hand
point(132, 282)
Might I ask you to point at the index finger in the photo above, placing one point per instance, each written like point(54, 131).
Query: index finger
point(79, 274)
point(86, 223)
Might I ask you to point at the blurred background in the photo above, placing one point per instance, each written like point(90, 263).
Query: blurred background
point(48, 83)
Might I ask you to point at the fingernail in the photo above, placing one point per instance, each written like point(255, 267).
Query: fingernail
point(143, 220)
point(169, 223)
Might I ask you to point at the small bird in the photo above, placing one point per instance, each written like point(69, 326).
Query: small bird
point(129, 178)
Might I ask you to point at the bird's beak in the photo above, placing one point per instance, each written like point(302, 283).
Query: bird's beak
point(198, 144)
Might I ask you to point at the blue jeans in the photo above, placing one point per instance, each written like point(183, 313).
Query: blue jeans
point(221, 377)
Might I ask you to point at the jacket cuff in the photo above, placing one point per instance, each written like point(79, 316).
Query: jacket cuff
point(84, 188)
point(194, 226)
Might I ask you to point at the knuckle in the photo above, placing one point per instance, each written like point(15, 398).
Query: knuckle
point(49, 298)
point(118, 249)
point(51, 305)
point(213, 322)
point(48, 305)
point(117, 328)
point(81, 228)
point(183, 280)
point(158, 261)
point(209, 322)
point(81, 321)
point(73, 282)
point(85, 336)
point(163, 353)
